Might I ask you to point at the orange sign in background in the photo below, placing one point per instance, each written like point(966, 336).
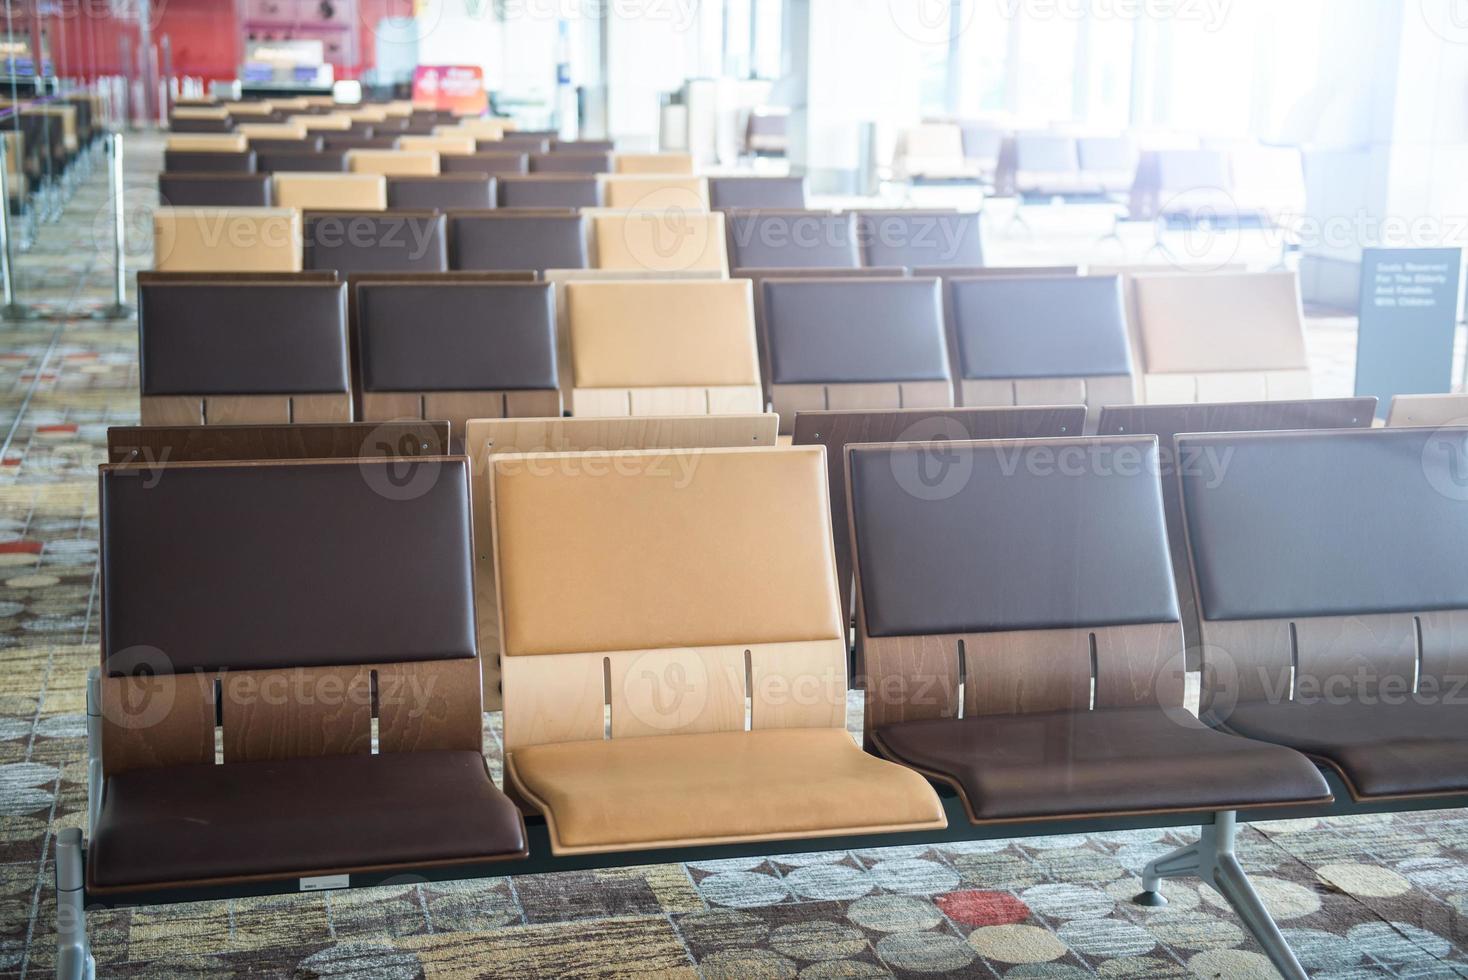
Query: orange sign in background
point(452, 88)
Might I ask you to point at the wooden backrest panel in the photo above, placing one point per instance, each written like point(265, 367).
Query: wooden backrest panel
point(661, 333)
point(155, 444)
point(1166, 422)
point(227, 240)
point(837, 430)
point(668, 554)
point(1330, 558)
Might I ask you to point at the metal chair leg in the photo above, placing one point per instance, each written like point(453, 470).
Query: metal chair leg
point(1212, 859)
point(73, 950)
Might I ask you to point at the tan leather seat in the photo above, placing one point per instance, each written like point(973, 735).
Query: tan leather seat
point(671, 240)
point(654, 163)
point(324, 120)
point(393, 163)
point(671, 347)
point(1428, 410)
point(331, 191)
point(724, 726)
point(1221, 337)
point(272, 131)
point(207, 143)
point(644, 192)
point(227, 240)
point(450, 145)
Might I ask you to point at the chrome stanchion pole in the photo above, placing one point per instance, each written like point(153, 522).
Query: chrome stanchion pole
point(118, 309)
point(9, 308)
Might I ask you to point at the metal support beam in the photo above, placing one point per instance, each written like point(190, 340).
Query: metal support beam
point(73, 950)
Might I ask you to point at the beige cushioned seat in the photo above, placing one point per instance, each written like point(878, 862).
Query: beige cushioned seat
point(393, 163)
point(641, 192)
point(653, 163)
point(227, 240)
point(207, 143)
point(331, 191)
point(705, 613)
point(671, 240)
point(453, 145)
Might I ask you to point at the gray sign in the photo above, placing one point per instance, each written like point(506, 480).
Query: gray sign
point(1408, 313)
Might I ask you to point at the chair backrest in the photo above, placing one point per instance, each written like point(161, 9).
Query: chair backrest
point(442, 145)
point(558, 162)
point(519, 143)
point(456, 351)
point(659, 241)
point(785, 193)
point(321, 121)
point(393, 163)
point(331, 191)
point(370, 601)
point(662, 347)
point(1030, 576)
point(354, 140)
point(444, 192)
point(311, 144)
point(856, 343)
point(486, 439)
point(920, 238)
point(1110, 161)
point(836, 430)
point(227, 240)
point(667, 551)
point(393, 241)
point(1041, 340)
point(159, 445)
point(1428, 410)
point(1328, 564)
point(492, 164)
point(271, 130)
point(654, 163)
point(517, 240)
point(579, 146)
point(550, 191)
point(654, 192)
point(1166, 422)
point(194, 161)
point(206, 143)
point(214, 189)
point(1222, 337)
point(322, 161)
point(793, 240)
point(214, 353)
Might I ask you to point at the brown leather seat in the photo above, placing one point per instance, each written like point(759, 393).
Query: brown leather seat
point(297, 817)
point(1111, 761)
point(1405, 749)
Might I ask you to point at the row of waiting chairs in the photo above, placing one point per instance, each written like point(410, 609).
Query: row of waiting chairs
point(1002, 699)
point(464, 345)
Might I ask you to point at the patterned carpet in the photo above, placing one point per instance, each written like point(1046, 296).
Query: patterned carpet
point(1358, 898)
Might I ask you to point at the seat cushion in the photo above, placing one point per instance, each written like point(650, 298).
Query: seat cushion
point(667, 790)
point(1404, 749)
point(300, 817)
point(1105, 762)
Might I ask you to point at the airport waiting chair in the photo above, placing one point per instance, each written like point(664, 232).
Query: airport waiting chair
point(1427, 410)
point(652, 163)
point(780, 193)
point(1221, 337)
point(855, 343)
point(456, 351)
point(550, 191)
point(932, 152)
point(654, 192)
point(214, 189)
point(1020, 629)
point(387, 241)
point(311, 161)
point(567, 162)
point(672, 240)
point(662, 347)
point(486, 439)
point(835, 430)
point(1041, 340)
point(393, 163)
point(243, 352)
point(1333, 613)
point(331, 191)
point(195, 161)
point(159, 445)
point(206, 143)
point(445, 192)
point(517, 239)
point(756, 748)
point(364, 765)
point(928, 239)
point(1167, 422)
point(489, 164)
point(763, 239)
point(1108, 162)
point(227, 240)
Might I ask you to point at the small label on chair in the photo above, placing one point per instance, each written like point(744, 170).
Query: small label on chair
point(323, 883)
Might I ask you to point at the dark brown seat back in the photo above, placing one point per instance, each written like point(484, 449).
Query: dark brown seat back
point(162, 444)
point(214, 190)
point(490, 241)
point(201, 162)
point(390, 241)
